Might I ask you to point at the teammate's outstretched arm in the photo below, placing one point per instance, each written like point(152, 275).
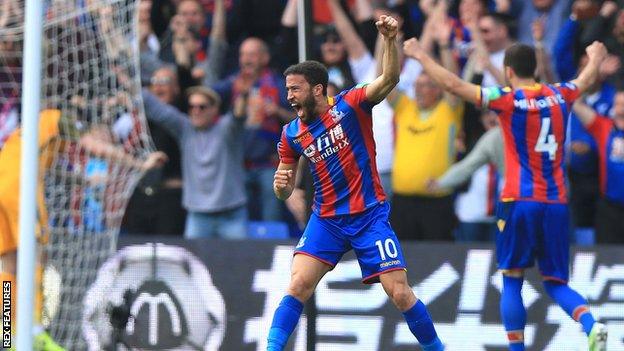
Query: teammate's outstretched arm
point(284, 180)
point(376, 91)
point(596, 53)
point(445, 78)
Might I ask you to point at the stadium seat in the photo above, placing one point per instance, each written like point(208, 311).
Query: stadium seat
point(268, 230)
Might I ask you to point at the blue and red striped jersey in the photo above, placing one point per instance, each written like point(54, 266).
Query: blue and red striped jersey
point(610, 142)
point(534, 121)
point(340, 149)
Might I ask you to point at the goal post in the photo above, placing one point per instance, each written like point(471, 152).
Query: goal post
point(31, 96)
point(76, 75)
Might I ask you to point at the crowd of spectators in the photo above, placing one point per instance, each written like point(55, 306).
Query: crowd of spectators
point(215, 102)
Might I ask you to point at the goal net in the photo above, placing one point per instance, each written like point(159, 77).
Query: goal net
point(97, 136)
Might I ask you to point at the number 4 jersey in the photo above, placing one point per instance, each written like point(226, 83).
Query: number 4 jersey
point(533, 120)
point(340, 149)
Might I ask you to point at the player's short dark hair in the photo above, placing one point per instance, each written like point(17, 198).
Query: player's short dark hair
point(314, 73)
point(521, 58)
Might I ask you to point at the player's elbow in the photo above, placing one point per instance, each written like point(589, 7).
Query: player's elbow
point(461, 89)
point(389, 83)
point(453, 85)
point(392, 80)
point(587, 83)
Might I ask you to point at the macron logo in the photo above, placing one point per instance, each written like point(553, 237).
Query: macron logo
point(301, 242)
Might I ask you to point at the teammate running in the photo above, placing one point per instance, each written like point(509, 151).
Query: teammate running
point(533, 216)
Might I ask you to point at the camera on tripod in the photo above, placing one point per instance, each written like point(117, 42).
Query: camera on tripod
point(119, 315)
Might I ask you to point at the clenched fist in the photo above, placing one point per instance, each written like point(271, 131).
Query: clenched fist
point(387, 26)
point(281, 179)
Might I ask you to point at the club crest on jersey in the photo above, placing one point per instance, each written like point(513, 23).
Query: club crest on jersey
point(310, 150)
point(336, 114)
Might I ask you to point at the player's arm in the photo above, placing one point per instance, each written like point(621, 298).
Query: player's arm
point(596, 53)
point(445, 78)
point(284, 180)
point(378, 89)
point(393, 95)
point(584, 112)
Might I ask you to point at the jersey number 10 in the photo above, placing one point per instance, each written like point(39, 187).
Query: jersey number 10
point(546, 142)
point(389, 248)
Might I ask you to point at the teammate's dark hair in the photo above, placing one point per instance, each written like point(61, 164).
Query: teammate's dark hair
point(521, 58)
point(313, 71)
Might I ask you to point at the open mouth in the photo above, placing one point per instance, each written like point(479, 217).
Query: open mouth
point(298, 109)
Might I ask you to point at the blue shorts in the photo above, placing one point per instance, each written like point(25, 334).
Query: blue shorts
point(533, 230)
point(368, 233)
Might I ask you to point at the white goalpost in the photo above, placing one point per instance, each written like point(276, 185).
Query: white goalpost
point(28, 186)
point(74, 66)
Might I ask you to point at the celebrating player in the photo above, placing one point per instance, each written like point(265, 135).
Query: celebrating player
point(350, 208)
point(533, 217)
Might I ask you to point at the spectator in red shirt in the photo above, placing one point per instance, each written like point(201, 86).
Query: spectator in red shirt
point(609, 136)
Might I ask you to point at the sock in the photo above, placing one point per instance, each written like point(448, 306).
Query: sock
point(571, 302)
point(513, 312)
point(284, 322)
point(11, 278)
point(420, 324)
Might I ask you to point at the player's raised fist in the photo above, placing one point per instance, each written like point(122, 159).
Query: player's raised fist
point(387, 26)
point(411, 48)
point(597, 51)
point(281, 179)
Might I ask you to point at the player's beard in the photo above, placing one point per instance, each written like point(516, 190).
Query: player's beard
point(309, 107)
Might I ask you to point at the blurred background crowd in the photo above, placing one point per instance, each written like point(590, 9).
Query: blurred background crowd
point(215, 102)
